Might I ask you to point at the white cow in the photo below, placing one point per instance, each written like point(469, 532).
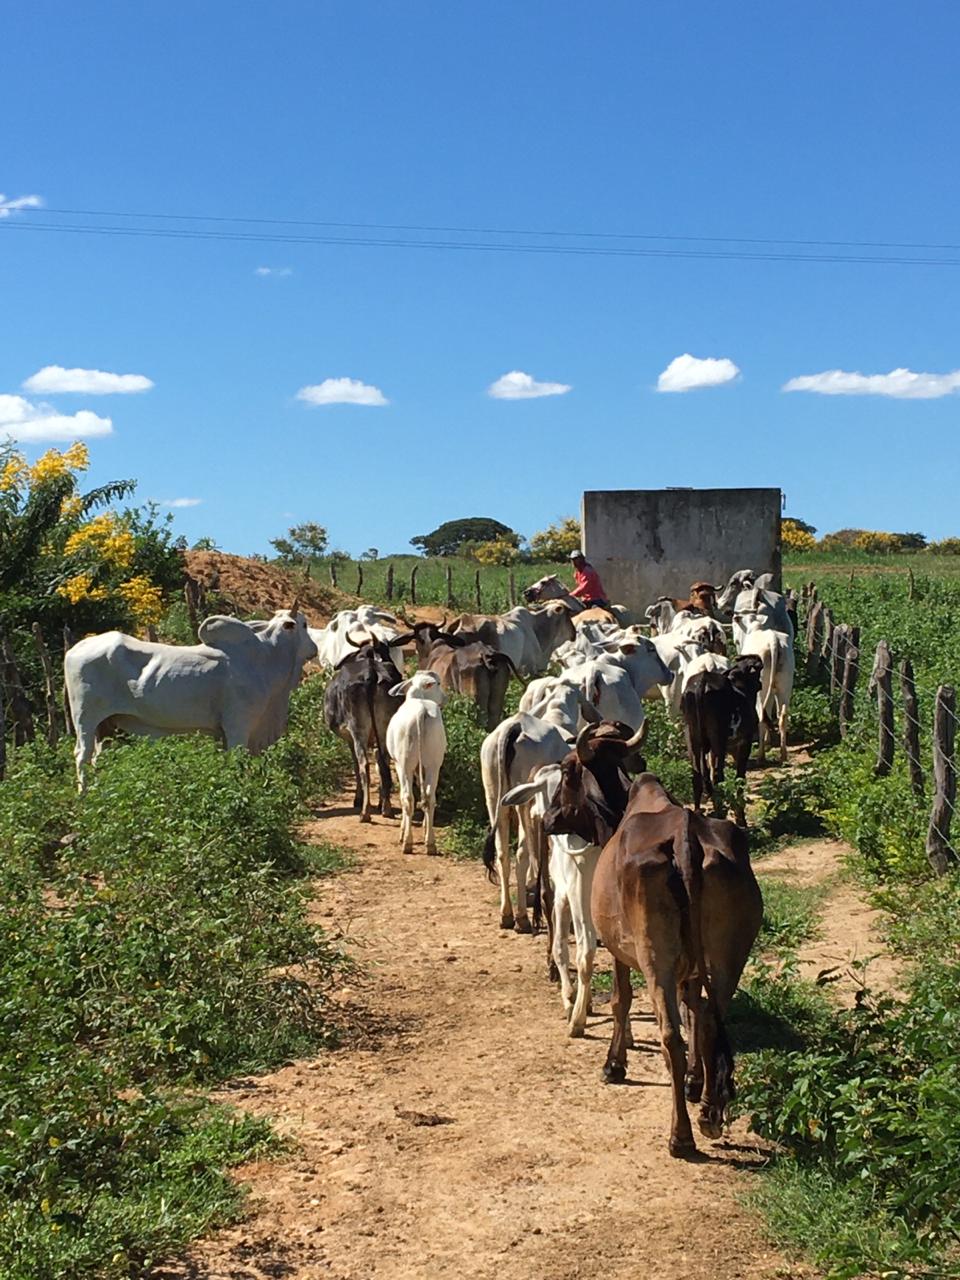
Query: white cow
point(775, 649)
point(331, 640)
point(512, 753)
point(527, 636)
point(235, 684)
point(417, 743)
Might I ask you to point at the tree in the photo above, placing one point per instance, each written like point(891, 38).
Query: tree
point(205, 544)
point(303, 542)
point(371, 553)
point(557, 540)
point(499, 551)
point(797, 535)
point(448, 539)
point(802, 525)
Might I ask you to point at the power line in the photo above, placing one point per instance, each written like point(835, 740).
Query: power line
point(504, 231)
point(9, 225)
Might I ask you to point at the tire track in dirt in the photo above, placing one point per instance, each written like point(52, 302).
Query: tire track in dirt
point(472, 1138)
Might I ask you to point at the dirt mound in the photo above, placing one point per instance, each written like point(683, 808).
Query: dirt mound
point(234, 584)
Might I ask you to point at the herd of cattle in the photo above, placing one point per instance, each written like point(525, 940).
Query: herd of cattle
point(600, 845)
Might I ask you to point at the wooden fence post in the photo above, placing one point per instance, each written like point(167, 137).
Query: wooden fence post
point(837, 650)
point(3, 738)
point(190, 597)
point(49, 687)
point(912, 588)
point(413, 584)
point(449, 586)
point(911, 726)
point(390, 582)
point(513, 589)
point(848, 685)
point(359, 580)
point(23, 731)
point(881, 683)
point(814, 630)
point(826, 644)
point(940, 852)
point(477, 585)
point(333, 572)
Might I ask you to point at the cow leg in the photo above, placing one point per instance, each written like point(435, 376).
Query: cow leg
point(763, 732)
point(692, 1001)
point(501, 831)
point(667, 1009)
point(586, 939)
point(428, 797)
point(405, 783)
point(782, 726)
point(363, 774)
point(524, 845)
point(615, 1068)
point(561, 924)
point(84, 750)
point(386, 782)
point(741, 754)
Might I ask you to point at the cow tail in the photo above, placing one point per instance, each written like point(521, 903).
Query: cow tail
point(370, 687)
point(513, 670)
point(505, 751)
point(766, 686)
point(691, 871)
point(703, 752)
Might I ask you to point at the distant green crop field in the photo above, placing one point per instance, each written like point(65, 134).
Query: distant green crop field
point(431, 580)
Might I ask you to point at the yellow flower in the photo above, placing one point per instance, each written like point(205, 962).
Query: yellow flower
point(51, 466)
point(144, 600)
point(70, 507)
point(13, 473)
point(80, 588)
point(77, 456)
point(107, 537)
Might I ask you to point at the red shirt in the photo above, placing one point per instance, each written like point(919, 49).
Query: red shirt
point(587, 584)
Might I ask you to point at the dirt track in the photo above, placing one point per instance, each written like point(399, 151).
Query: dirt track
point(470, 1137)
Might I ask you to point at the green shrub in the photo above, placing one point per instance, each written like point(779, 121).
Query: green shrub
point(460, 791)
point(315, 757)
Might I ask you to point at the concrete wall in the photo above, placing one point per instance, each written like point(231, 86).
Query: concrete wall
point(646, 543)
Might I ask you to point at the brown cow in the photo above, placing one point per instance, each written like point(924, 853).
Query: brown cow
point(674, 895)
point(465, 665)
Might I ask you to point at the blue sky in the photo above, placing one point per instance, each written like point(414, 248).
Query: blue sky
point(813, 122)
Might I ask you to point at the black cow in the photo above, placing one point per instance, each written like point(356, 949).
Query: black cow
point(720, 713)
point(358, 706)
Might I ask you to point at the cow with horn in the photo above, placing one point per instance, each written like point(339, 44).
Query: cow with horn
point(358, 705)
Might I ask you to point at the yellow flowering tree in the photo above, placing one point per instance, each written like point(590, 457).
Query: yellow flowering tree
point(556, 541)
point(795, 536)
point(66, 557)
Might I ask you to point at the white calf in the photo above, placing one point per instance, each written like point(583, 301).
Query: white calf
point(417, 743)
point(775, 648)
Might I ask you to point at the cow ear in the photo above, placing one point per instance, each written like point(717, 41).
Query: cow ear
point(225, 633)
point(400, 690)
point(628, 648)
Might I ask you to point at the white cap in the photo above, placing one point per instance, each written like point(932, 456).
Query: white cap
point(576, 555)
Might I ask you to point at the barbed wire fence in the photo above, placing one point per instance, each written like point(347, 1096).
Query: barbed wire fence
point(833, 656)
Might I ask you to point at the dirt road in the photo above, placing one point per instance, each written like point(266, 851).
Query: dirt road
point(470, 1137)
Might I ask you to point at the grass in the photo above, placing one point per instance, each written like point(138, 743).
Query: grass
point(154, 940)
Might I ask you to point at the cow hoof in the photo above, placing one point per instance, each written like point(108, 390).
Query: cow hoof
point(433, 851)
point(711, 1125)
point(693, 1089)
point(408, 850)
point(365, 817)
point(614, 1073)
point(553, 973)
point(682, 1148)
point(576, 1031)
point(506, 922)
point(387, 812)
point(522, 925)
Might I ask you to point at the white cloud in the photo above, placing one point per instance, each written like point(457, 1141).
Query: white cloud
point(687, 373)
point(521, 386)
point(34, 422)
point(53, 379)
point(16, 204)
point(273, 271)
point(902, 384)
point(342, 391)
point(181, 502)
